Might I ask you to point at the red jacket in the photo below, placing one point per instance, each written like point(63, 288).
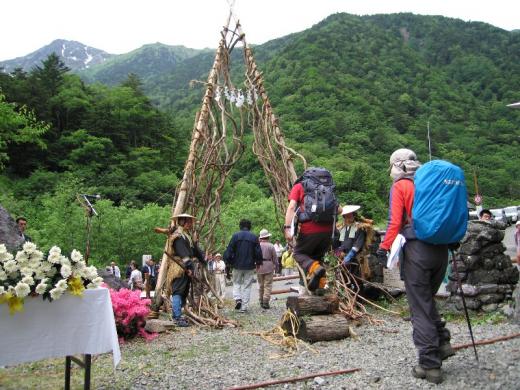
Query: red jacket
point(400, 211)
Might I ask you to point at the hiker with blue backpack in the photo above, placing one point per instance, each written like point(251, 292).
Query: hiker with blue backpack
point(428, 207)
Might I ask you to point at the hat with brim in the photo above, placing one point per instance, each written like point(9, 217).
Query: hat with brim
point(517, 223)
point(350, 208)
point(218, 255)
point(183, 215)
point(264, 234)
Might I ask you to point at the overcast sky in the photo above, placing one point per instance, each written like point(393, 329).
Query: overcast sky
point(119, 26)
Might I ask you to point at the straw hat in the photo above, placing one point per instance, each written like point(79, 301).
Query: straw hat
point(183, 215)
point(264, 234)
point(218, 255)
point(350, 208)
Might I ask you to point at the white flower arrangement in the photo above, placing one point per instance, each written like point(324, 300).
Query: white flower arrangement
point(29, 272)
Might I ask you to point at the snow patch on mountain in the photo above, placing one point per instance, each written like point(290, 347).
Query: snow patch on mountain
point(89, 57)
point(75, 55)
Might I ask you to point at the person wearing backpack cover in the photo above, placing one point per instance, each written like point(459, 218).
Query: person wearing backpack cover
point(423, 270)
point(313, 203)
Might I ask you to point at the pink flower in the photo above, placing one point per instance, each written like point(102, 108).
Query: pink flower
point(130, 313)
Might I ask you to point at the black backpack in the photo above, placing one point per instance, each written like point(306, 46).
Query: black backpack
point(319, 204)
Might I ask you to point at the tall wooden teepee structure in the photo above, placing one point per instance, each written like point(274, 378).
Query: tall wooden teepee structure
point(227, 113)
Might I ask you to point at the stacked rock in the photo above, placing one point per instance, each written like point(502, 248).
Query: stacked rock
point(488, 277)
point(9, 232)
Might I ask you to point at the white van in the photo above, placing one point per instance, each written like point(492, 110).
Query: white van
point(512, 213)
point(499, 215)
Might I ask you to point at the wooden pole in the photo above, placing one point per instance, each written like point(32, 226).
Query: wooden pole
point(289, 277)
point(180, 203)
point(487, 341)
point(284, 291)
point(295, 379)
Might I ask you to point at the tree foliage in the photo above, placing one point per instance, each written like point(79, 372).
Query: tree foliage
point(348, 92)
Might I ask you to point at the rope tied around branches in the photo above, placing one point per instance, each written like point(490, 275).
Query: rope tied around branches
point(285, 338)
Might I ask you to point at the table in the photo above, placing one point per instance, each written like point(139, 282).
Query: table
point(69, 326)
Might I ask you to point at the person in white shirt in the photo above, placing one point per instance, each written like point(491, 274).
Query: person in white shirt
point(279, 248)
point(219, 271)
point(114, 270)
point(136, 278)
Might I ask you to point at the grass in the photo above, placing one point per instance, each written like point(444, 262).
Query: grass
point(400, 305)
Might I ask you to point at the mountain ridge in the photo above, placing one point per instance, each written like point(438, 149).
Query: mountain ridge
point(74, 54)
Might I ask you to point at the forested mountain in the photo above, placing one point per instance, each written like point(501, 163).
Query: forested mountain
point(75, 55)
point(348, 91)
point(351, 89)
point(146, 62)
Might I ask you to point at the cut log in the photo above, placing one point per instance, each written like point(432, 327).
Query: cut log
point(312, 304)
point(321, 328)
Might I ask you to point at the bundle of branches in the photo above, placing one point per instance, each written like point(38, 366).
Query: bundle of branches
point(204, 311)
point(227, 113)
point(274, 156)
point(217, 144)
point(353, 304)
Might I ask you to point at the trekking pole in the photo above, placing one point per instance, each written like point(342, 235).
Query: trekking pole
point(454, 261)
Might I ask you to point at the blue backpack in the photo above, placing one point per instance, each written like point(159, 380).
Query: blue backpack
point(440, 209)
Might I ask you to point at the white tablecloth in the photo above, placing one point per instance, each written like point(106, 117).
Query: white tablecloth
point(70, 325)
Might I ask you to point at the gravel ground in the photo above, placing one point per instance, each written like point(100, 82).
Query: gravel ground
point(194, 358)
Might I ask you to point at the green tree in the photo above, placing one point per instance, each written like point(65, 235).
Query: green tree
point(17, 127)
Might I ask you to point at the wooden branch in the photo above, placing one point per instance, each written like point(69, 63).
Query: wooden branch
point(295, 379)
point(487, 341)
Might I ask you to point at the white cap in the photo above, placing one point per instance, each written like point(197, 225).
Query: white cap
point(402, 155)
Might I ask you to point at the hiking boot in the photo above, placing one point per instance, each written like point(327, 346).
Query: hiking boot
point(445, 351)
point(242, 310)
point(433, 375)
point(238, 304)
point(182, 323)
point(320, 292)
point(316, 272)
point(265, 306)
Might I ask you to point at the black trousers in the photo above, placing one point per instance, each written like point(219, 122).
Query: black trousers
point(310, 248)
point(423, 268)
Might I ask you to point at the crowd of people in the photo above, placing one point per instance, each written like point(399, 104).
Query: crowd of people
point(314, 224)
point(137, 278)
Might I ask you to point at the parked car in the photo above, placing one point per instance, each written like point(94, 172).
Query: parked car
point(473, 215)
point(499, 215)
point(512, 213)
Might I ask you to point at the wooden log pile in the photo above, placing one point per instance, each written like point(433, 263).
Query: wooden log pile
point(318, 318)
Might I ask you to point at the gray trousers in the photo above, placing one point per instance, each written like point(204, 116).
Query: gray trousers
point(423, 268)
point(242, 281)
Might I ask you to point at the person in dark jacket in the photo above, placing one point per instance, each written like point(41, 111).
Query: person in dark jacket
point(187, 250)
point(243, 253)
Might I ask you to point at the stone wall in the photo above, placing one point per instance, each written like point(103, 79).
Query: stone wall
point(487, 274)
point(9, 232)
